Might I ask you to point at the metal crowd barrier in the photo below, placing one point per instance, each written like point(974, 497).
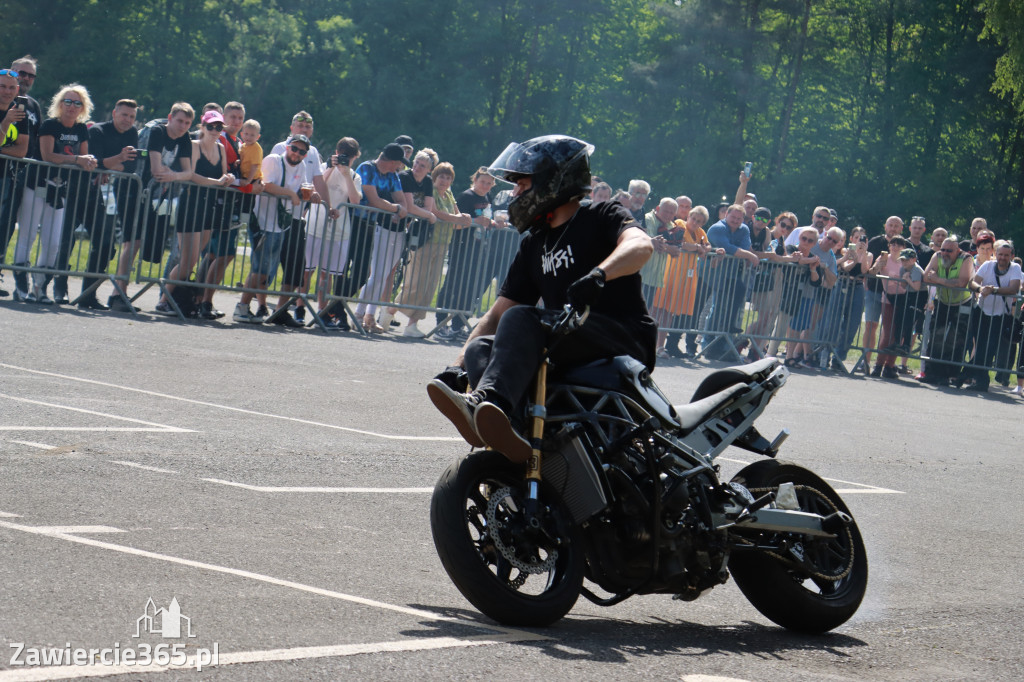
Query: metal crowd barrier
point(63, 222)
point(418, 268)
point(955, 334)
point(727, 306)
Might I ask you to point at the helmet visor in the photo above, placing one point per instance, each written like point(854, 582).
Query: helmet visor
point(530, 159)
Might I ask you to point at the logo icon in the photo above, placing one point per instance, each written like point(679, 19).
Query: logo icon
point(164, 622)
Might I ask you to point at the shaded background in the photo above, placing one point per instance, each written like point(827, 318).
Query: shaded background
point(873, 107)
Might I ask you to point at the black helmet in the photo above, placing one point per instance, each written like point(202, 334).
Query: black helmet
point(560, 168)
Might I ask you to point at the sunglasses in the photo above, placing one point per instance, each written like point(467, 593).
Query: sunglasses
point(12, 73)
point(302, 119)
point(945, 250)
point(299, 150)
point(215, 126)
point(809, 240)
point(72, 103)
point(786, 225)
point(762, 219)
point(823, 216)
point(918, 217)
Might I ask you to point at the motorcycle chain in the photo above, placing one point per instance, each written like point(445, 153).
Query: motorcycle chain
point(787, 560)
point(524, 568)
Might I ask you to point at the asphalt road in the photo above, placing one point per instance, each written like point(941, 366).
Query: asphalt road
point(275, 483)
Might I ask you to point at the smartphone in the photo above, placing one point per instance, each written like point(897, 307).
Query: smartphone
point(21, 101)
point(746, 168)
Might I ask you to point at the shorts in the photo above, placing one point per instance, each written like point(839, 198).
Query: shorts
point(873, 306)
point(327, 254)
point(153, 231)
point(293, 256)
point(266, 254)
point(802, 320)
point(224, 243)
point(201, 209)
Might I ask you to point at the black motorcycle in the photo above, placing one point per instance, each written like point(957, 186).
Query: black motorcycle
point(624, 493)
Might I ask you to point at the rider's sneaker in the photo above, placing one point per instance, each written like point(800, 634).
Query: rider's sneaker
point(497, 432)
point(458, 407)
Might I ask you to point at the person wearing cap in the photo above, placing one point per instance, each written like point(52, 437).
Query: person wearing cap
point(729, 289)
point(278, 213)
point(901, 274)
point(382, 190)
point(762, 298)
point(996, 282)
point(405, 142)
point(950, 271)
point(294, 247)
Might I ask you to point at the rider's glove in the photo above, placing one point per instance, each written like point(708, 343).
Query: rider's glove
point(586, 289)
point(455, 378)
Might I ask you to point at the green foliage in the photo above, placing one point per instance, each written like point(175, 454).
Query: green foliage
point(874, 107)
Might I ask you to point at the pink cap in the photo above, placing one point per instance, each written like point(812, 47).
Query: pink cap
point(212, 116)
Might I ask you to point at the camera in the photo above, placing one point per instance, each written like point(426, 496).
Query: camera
point(343, 160)
point(864, 238)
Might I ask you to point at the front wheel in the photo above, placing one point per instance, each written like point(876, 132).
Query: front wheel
point(515, 572)
point(822, 590)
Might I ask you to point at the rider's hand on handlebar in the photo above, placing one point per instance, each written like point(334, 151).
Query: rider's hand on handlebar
point(586, 289)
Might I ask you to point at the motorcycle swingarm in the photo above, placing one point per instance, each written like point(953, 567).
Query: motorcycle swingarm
point(777, 521)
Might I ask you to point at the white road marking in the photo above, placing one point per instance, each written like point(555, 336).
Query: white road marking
point(153, 426)
point(72, 530)
point(362, 601)
point(294, 654)
point(136, 465)
point(297, 489)
point(41, 446)
point(861, 489)
point(9, 515)
point(436, 439)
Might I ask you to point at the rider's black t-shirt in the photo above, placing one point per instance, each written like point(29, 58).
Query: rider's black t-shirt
point(550, 260)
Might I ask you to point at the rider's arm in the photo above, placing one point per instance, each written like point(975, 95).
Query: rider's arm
point(631, 252)
point(488, 324)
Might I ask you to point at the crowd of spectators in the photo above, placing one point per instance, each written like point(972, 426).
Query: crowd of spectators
point(729, 281)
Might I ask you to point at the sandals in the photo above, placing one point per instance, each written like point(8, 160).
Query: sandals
point(370, 325)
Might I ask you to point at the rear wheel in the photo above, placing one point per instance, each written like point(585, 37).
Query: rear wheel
point(818, 583)
point(515, 573)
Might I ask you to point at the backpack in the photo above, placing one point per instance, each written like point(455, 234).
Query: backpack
point(143, 169)
point(187, 297)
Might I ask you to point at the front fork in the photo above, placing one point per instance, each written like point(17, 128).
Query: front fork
point(537, 417)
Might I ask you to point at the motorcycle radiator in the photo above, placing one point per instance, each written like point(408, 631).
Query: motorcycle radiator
point(570, 472)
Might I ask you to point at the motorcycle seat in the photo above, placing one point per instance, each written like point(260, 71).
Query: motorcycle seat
point(729, 376)
point(693, 414)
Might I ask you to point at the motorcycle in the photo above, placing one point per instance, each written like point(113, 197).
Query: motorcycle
point(622, 490)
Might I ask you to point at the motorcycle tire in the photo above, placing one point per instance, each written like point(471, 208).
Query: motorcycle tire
point(789, 596)
point(479, 566)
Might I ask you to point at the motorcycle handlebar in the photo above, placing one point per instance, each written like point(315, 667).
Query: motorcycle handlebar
point(569, 320)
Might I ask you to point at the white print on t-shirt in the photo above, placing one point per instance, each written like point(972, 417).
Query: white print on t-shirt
point(550, 262)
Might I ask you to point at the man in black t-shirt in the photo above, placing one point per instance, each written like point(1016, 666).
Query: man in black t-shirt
point(113, 144)
point(583, 255)
point(168, 159)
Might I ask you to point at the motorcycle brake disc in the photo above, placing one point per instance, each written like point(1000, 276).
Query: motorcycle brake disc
point(534, 566)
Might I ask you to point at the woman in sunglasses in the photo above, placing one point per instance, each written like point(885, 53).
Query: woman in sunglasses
point(63, 143)
point(204, 205)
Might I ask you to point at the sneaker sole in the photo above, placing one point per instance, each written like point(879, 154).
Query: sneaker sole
point(494, 427)
point(451, 405)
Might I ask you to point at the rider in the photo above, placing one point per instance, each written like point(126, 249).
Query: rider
point(584, 255)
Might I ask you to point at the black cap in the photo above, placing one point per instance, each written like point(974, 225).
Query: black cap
point(404, 141)
point(763, 212)
point(393, 152)
point(301, 138)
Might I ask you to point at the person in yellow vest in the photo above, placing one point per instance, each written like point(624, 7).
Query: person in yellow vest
point(949, 271)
